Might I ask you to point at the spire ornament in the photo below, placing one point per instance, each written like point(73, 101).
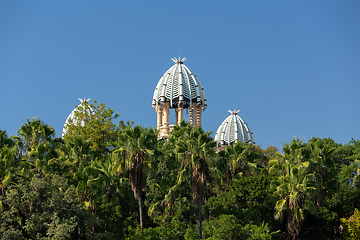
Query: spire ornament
point(84, 101)
point(177, 60)
point(235, 112)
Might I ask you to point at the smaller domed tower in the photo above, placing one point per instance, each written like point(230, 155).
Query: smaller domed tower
point(178, 89)
point(84, 106)
point(233, 129)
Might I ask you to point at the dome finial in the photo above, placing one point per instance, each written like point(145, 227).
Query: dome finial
point(235, 112)
point(177, 61)
point(84, 100)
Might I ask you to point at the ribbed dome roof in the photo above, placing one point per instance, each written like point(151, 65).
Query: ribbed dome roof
point(179, 85)
point(233, 129)
point(71, 117)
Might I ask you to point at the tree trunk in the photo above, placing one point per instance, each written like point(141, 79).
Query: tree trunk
point(140, 209)
point(293, 224)
point(199, 220)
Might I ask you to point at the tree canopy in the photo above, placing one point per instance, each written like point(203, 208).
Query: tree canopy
point(111, 180)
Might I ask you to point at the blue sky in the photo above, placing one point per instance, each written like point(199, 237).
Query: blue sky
point(291, 67)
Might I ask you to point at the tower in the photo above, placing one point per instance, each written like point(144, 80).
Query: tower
point(233, 129)
point(178, 89)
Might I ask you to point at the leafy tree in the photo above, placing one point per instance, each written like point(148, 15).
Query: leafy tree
point(352, 225)
point(174, 224)
point(45, 207)
point(247, 200)
point(270, 152)
point(225, 227)
point(98, 127)
point(228, 227)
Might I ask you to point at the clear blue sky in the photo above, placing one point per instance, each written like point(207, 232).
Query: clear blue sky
point(291, 66)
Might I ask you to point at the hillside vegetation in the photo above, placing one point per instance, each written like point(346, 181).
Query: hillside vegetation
point(114, 180)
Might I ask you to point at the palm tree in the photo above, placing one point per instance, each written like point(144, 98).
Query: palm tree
point(36, 143)
point(194, 147)
point(7, 161)
point(294, 186)
point(322, 163)
point(4, 140)
point(35, 132)
point(75, 154)
point(102, 178)
point(137, 146)
point(239, 159)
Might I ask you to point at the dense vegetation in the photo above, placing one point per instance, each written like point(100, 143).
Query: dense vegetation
point(107, 180)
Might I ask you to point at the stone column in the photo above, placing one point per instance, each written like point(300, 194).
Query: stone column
point(179, 115)
point(165, 118)
point(191, 110)
point(176, 115)
point(193, 114)
point(198, 116)
point(159, 118)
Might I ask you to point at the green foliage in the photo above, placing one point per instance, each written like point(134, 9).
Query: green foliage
point(339, 205)
point(247, 200)
point(102, 177)
point(44, 207)
point(136, 147)
point(173, 225)
point(97, 127)
point(294, 186)
point(36, 144)
point(225, 227)
point(7, 162)
point(352, 225)
point(228, 227)
point(194, 147)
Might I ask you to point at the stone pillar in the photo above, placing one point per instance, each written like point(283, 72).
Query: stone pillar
point(165, 119)
point(159, 118)
point(193, 114)
point(191, 110)
point(179, 114)
point(198, 116)
point(176, 115)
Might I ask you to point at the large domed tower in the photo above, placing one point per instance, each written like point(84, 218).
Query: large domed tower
point(233, 129)
point(178, 89)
